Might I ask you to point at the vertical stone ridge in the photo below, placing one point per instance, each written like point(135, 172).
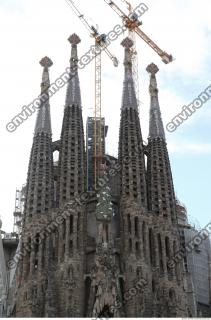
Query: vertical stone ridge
point(156, 128)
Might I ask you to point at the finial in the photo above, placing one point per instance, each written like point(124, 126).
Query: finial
point(46, 62)
point(152, 68)
point(129, 96)
point(156, 128)
point(74, 39)
point(127, 43)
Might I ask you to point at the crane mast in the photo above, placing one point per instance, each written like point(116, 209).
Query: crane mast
point(100, 45)
point(132, 23)
point(98, 150)
point(132, 36)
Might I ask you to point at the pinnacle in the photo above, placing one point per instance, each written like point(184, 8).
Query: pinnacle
point(46, 62)
point(129, 96)
point(156, 128)
point(43, 123)
point(74, 39)
point(152, 68)
point(127, 43)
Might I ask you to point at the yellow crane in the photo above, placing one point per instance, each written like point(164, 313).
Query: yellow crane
point(132, 35)
point(100, 45)
point(132, 23)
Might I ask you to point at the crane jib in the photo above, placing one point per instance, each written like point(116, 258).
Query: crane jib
point(133, 25)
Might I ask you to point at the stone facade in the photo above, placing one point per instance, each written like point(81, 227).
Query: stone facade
point(197, 264)
point(104, 252)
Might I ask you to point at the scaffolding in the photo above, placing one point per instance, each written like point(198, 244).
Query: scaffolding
point(93, 147)
point(19, 208)
point(199, 265)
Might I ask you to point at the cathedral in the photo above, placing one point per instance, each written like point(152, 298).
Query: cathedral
point(104, 252)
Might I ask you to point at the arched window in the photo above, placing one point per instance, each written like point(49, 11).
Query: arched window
point(36, 250)
point(136, 227)
point(71, 223)
point(153, 285)
point(168, 257)
point(172, 295)
point(177, 263)
point(129, 223)
point(137, 245)
point(36, 244)
point(43, 251)
point(144, 238)
point(71, 247)
point(160, 253)
point(64, 229)
point(151, 247)
point(167, 245)
point(27, 258)
point(130, 245)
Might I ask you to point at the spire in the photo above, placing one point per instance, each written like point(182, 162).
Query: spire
point(129, 96)
point(161, 197)
point(43, 123)
point(72, 151)
point(73, 95)
point(133, 180)
point(39, 189)
point(156, 128)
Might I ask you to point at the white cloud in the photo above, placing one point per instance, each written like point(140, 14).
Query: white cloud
point(189, 147)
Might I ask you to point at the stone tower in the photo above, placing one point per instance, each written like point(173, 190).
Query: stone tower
point(133, 201)
point(161, 197)
point(149, 234)
point(52, 268)
point(70, 235)
point(38, 206)
point(72, 149)
point(164, 242)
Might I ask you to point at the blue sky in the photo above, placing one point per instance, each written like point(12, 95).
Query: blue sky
point(192, 172)
point(30, 30)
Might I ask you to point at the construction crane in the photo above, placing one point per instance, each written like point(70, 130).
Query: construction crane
point(100, 45)
point(132, 23)
point(132, 36)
